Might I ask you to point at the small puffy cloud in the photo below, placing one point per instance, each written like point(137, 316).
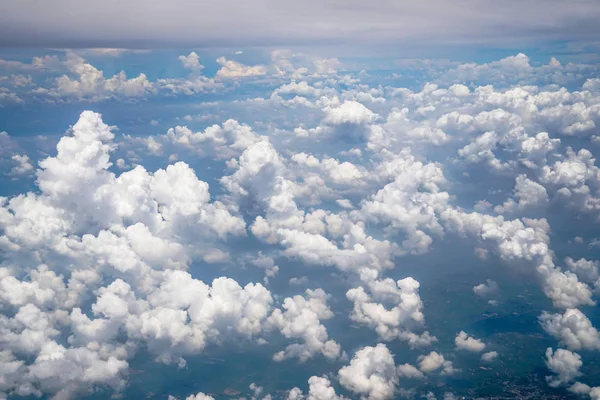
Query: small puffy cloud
point(302, 280)
point(223, 141)
point(319, 388)
point(433, 362)
point(198, 396)
point(409, 371)
point(486, 289)
point(234, 69)
point(191, 62)
point(344, 203)
point(349, 112)
point(23, 167)
point(489, 356)
point(465, 342)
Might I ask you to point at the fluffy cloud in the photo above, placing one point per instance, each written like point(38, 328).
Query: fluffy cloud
point(465, 342)
point(572, 328)
point(433, 362)
point(23, 167)
point(138, 225)
point(88, 82)
point(409, 371)
point(301, 319)
point(486, 289)
point(371, 373)
point(319, 389)
point(191, 62)
point(401, 320)
point(347, 174)
point(489, 356)
point(564, 364)
point(234, 69)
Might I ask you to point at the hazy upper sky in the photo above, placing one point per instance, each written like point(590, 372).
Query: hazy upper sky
point(156, 23)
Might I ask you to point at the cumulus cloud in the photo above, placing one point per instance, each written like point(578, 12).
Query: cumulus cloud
point(565, 364)
point(399, 322)
point(23, 167)
point(572, 328)
point(489, 356)
point(234, 69)
point(319, 388)
point(88, 82)
point(138, 235)
point(371, 373)
point(100, 258)
point(301, 319)
point(486, 289)
point(433, 362)
point(466, 342)
point(191, 62)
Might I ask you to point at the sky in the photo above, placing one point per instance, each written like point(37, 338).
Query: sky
point(299, 201)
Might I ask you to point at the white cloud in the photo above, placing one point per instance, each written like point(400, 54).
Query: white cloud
point(349, 112)
point(489, 356)
point(191, 62)
point(433, 362)
point(486, 289)
point(563, 363)
point(572, 328)
point(301, 319)
point(465, 342)
point(234, 69)
point(89, 83)
point(371, 373)
point(23, 167)
point(319, 389)
point(221, 141)
point(401, 320)
point(347, 174)
point(409, 371)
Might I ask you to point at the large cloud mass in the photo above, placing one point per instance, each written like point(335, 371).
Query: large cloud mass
point(345, 214)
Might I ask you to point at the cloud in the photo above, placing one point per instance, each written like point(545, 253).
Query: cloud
point(125, 237)
point(409, 371)
point(563, 363)
point(319, 389)
point(102, 261)
point(572, 328)
point(301, 319)
point(23, 167)
point(88, 82)
point(486, 289)
point(465, 342)
point(191, 62)
point(234, 69)
point(434, 361)
point(371, 373)
point(489, 356)
point(401, 320)
point(198, 396)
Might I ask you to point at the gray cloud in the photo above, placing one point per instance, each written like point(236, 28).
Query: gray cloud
point(153, 23)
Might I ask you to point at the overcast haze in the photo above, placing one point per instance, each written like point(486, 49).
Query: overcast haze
point(184, 23)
